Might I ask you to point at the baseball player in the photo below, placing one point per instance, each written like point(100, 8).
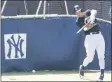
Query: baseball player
point(93, 39)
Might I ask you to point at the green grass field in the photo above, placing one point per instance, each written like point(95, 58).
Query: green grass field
point(91, 75)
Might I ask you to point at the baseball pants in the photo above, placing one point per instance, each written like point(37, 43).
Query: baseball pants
point(94, 42)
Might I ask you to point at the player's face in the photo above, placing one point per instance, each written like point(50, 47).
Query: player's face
point(80, 14)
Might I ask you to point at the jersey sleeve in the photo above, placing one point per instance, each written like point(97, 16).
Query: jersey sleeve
point(80, 22)
point(92, 16)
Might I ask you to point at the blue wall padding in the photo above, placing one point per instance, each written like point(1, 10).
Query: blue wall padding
point(52, 44)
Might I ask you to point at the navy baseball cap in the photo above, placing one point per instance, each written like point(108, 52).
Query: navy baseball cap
point(77, 9)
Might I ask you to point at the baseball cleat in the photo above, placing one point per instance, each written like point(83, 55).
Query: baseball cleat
point(81, 72)
point(101, 77)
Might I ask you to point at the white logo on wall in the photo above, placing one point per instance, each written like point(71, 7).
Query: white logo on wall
point(15, 46)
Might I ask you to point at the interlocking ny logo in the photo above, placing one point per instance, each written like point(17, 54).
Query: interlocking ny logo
point(15, 46)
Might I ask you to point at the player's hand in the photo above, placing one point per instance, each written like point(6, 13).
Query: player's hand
point(89, 26)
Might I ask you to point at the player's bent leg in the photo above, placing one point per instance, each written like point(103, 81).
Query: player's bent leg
point(86, 61)
point(90, 49)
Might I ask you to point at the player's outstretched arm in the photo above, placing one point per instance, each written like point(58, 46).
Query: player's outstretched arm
point(91, 20)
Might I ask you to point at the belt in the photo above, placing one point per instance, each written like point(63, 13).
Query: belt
point(91, 33)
